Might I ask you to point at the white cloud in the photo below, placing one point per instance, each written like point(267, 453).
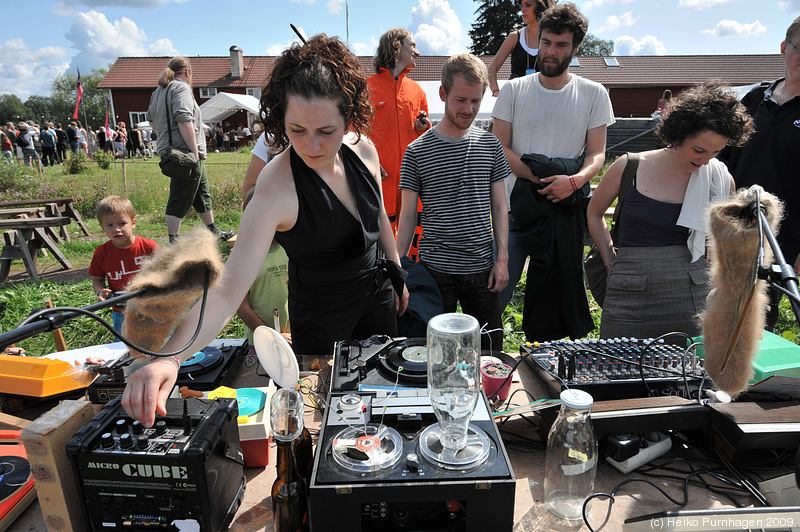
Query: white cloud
point(278, 48)
point(68, 7)
point(701, 4)
point(616, 22)
point(437, 29)
point(647, 45)
point(25, 71)
point(591, 4)
point(732, 28)
point(100, 42)
point(360, 48)
point(335, 6)
point(791, 6)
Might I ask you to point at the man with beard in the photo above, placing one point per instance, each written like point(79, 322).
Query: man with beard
point(458, 171)
point(551, 114)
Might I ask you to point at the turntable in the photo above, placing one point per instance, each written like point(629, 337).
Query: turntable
point(208, 369)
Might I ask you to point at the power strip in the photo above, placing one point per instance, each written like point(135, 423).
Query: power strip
point(651, 449)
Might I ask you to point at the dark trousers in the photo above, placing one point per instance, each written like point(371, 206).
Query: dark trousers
point(48, 155)
point(61, 152)
point(471, 290)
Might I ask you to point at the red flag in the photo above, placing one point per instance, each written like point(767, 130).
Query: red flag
point(80, 95)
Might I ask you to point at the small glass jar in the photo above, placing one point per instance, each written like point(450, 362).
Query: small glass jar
point(571, 457)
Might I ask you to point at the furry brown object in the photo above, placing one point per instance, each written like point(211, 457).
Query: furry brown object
point(172, 280)
point(732, 247)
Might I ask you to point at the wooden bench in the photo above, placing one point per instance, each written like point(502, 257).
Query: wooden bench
point(56, 207)
point(24, 237)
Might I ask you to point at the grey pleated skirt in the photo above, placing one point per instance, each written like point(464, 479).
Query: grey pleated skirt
point(654, 290)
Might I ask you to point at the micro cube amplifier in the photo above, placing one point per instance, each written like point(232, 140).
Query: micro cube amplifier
point(184, 473)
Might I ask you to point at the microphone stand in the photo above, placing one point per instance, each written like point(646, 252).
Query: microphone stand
point(780, 275)
point(46, 320)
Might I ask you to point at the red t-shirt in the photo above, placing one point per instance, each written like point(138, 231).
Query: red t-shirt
point(119, 265)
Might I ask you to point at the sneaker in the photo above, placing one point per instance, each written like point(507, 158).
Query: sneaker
point(224, 236)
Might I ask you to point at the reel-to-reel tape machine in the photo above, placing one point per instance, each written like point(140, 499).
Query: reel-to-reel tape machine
point(379, 464)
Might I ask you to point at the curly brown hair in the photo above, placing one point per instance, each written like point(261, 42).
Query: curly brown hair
point(389, 48)
point(706, 107)
point(562, 18)
point(322, 68)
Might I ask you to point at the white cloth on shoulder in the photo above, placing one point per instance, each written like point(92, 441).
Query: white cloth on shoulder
point(709, 184)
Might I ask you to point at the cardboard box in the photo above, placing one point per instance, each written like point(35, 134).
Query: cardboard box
point(45, 440)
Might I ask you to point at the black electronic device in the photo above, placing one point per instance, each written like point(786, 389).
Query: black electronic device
point(206, 370)
point(184, 473)
point(382, 362)
point(616, 368)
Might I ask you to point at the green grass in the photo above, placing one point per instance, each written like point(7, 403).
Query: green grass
point(147, 188)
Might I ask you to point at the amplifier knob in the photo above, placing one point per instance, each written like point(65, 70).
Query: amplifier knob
point(125, 441)
point(161, 427)
point(107, 440)
point(122, 426)
point(142, 442)
point(137, 427)
point(412, 461)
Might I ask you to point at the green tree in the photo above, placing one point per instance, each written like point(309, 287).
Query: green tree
point(496, 19)
point(592, 45)
point(11, 109)
point(39, 108)
point(65, 93)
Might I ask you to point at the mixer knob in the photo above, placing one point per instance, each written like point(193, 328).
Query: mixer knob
point(161, 427)
point(122, 426)
point(142, 442)
point(412, 461)
point(125, 441)
point(107, 440)
point(137, 427)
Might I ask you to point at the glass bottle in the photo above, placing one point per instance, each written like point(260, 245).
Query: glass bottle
point(571, 456)
point(304, 453)
point(289, 492)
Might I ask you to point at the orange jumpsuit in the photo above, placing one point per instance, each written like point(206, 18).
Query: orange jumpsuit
point(397, 104)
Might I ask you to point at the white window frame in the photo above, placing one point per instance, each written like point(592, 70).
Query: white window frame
point(208, 92)
point(139, 114)
point(254, 91)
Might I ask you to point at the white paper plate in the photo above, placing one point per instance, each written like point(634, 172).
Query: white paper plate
point(276, 356)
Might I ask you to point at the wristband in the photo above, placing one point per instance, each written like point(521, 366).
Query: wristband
point(495, 92)
point(173, 357)
point(572, 182)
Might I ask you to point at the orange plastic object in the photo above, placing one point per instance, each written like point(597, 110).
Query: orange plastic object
point(39, 377)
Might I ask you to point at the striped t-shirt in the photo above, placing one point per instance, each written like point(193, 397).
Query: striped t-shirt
point(453, 178)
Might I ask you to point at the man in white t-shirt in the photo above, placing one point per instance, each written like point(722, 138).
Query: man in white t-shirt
point(556, 114)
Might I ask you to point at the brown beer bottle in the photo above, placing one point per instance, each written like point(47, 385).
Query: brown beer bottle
point(304, 454)
point(289, 495)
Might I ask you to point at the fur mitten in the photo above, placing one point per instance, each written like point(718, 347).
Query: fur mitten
point(733, 245)
point(172, 280)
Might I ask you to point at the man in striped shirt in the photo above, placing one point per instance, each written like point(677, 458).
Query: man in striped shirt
point(458, 172)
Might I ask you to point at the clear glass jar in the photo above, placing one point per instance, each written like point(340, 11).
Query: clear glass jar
point(571, 456)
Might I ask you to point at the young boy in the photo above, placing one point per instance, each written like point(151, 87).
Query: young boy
point(121, 257)
point(270, 291)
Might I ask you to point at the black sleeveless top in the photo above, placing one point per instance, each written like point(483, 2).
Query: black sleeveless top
point(521, 60)
point(650, 223)
point(326, 237)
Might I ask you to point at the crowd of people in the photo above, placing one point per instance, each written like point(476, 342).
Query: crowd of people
point(349, 168)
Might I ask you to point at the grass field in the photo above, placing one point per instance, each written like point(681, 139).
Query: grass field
point(147, 188)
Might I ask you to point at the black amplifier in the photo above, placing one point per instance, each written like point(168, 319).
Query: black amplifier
point(184, 473)
point(206, 370)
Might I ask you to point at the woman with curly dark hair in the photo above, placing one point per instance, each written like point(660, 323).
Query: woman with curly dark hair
point(657, 270)
point(321, 199)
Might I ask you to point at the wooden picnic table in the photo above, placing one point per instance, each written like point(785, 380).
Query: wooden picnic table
point(58, 207)
point(23, 212)
point(23, 237)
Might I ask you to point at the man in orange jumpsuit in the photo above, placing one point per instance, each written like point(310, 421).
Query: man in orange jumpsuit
point(401, 113)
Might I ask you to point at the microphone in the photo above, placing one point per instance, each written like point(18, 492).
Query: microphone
point(170, 282)
point(734, 317)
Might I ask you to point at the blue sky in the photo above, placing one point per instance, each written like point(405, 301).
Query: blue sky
point(44, 38)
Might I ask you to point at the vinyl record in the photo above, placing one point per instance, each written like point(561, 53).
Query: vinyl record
point(408, 361)
point(14, 473)
point(201, 362)
point(276, 356)
point(251, 401)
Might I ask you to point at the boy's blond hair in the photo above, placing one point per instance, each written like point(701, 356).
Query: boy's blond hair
point(115, 205)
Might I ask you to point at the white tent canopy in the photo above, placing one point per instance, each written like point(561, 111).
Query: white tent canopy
point(224, 104)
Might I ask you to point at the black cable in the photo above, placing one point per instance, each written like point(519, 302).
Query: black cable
point(131, 345)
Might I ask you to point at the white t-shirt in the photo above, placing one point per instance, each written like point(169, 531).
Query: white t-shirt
point(551, 122)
